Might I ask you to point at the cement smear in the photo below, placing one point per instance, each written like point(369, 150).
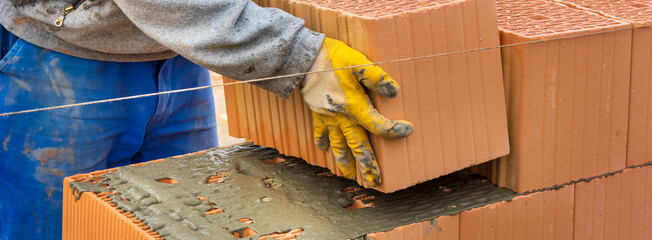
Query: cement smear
point(277, 197)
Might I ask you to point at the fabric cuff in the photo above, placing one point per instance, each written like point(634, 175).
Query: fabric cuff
point(303, 53)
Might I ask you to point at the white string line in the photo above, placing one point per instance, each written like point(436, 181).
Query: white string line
point(306, 73)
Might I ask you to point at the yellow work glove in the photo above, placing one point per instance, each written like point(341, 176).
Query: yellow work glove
point(341, 109)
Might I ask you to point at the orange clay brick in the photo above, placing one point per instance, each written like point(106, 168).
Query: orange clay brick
point(93, 216)
point(567, 99)
point(541, 215)
point(442, 228)
point(289, 123)
point(456, 102)
point(639, 14)
point(618, 206)
point(615, 207)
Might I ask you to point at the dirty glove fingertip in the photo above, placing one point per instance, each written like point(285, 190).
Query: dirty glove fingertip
point(388, 88)
point(371, 177)
point(402, 128)
point(323, 142)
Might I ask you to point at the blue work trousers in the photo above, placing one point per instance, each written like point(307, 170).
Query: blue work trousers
point(37, 150)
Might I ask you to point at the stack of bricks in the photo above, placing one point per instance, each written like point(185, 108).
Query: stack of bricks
point(577, 84)
point(617, 206)
point(567, 99)
point(638, 13)
point(578, 107)
point(456, 102)
point(577, 87)
point(575, 102)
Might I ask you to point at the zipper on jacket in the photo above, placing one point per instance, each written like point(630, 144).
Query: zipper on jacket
point(65, 11)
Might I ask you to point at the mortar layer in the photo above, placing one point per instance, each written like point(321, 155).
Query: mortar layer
point(173, 196)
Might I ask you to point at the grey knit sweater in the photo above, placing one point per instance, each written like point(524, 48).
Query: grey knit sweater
point(235, 38)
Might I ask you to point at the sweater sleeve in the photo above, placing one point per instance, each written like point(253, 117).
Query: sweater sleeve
point(235, 38)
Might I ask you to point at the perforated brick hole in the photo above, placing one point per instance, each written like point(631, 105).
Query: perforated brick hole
point(246, 220)
point(325, 174)
point(289, 235)
point(244, 232)
point(214, 210)
point(358, 204)
point(539, 17)
point(273, 161)
point(168, 180)
point(290, 164)
point(355, 190)
point(96, 180)
point(639, 5)
point(364, 197)
point(218, 178)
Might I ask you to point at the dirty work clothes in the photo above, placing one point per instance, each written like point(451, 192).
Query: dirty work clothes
point(235, 38)
point(37, 150)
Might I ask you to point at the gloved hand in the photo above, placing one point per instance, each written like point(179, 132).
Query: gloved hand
point(341, 108)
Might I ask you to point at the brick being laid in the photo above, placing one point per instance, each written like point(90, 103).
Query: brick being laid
point(612, 206)
point(639, 14)
point(567, 99)
point(456, 102)
point(285, 124)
